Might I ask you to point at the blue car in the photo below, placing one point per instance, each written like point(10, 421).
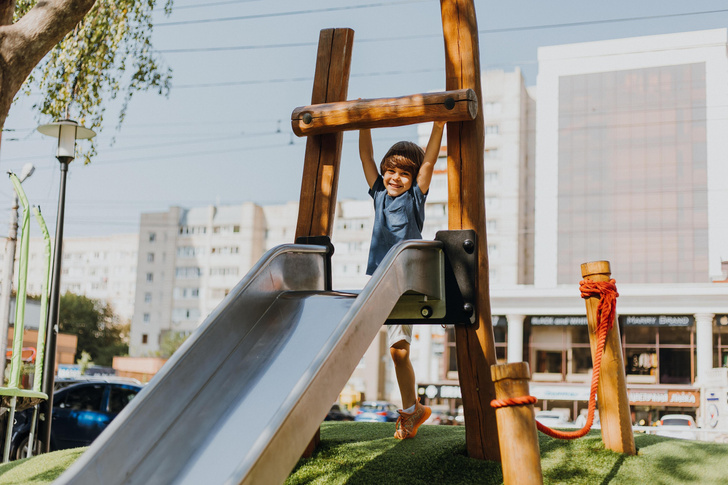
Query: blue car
point(377, 411)
point(80, 413)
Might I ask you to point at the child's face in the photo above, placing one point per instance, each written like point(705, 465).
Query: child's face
point(397, 181)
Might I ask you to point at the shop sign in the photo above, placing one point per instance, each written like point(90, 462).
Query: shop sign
point(560, 320)
point(657, 320)
point(443, 391)
point(641, 397)
point(560, 393)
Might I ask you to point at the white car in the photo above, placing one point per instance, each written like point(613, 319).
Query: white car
point(552, 419)
point(677, 426)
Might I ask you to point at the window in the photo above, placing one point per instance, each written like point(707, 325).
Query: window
point(225, 271)
point(492, 129)
point(491, 177)
point(85, 398)
point(146, 318)
point(150, 277)
point(119, 397)
point(145, 338)
point(150, 257)
point(491, 153)
point(492, 250)
point(152, 236)
point(147, 297)
point(491, 225)
point(492, 108)
point(184, 272)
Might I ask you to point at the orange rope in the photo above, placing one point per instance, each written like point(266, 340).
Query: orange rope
point(606, 312)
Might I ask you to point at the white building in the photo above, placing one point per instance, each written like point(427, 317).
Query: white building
point(102, 268)
point(630, 168)
point(189, 259)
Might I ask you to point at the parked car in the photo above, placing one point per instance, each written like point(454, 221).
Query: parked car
point(677, 426)
point(440, 415)
point(80, 413)
point(377, 411)
point(61, 382)
point(552, 419)
point(336, 413)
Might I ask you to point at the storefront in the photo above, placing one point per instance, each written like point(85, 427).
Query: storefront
point(720, 341)
point(657, 349)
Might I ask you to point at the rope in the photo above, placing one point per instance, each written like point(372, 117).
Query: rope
point(606, 311)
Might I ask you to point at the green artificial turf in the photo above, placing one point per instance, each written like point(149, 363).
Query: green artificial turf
point(38, 469)
point(366, 453)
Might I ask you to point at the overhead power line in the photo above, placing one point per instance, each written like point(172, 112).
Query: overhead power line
point(284, 14)
point(432, 36)
point(483, 31)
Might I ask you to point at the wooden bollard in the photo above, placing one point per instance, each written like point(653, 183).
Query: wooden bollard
point(517, 433)
point(457, 105)
point(612, 398)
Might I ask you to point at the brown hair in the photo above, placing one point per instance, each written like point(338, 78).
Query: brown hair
point(404, 155)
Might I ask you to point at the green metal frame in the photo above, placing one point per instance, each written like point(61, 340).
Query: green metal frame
point(14, 396)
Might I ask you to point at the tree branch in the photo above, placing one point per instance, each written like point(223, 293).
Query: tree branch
point(25, 43)
point(7, 8)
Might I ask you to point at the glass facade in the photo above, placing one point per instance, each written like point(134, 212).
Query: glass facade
point(632, 179)
point(654, 352)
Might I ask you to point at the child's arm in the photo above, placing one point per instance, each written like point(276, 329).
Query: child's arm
point(366, 153)
point(424, 177)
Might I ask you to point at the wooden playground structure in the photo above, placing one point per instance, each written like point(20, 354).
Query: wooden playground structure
point(507, 434)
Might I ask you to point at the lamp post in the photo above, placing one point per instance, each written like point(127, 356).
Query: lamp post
point(8, 269)
point(67, 132)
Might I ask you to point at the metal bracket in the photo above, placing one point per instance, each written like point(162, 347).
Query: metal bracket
point(461, 264)
point(321, 241)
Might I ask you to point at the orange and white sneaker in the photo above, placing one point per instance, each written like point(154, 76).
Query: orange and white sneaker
point(407, 424)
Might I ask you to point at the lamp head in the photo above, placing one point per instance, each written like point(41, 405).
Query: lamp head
point(67, 131)
point(27, 171)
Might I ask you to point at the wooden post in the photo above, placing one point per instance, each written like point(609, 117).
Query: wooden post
point(460, 105)
point(520, 455)
point(612, 398)
point(323, 152)
point(466, 206)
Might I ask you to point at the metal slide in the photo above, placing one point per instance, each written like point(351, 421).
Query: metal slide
point(242, 398)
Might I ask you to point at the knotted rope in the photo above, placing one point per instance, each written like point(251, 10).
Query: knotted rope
point(606, 311)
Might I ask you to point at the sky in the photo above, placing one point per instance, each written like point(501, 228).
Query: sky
point(240, 67)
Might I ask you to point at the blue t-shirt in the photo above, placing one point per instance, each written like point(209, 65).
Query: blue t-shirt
point(395, 219)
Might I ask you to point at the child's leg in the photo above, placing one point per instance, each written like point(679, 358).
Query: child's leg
point(409, 420)
point(405, 373)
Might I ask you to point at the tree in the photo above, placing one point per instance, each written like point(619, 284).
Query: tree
point(171, 341)
point(96, 48)
point(99, 332)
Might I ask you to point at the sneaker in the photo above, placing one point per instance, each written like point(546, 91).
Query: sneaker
point(407, 424)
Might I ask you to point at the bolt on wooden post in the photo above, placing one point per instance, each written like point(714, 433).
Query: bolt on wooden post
point(612, 398)
point(517, 433)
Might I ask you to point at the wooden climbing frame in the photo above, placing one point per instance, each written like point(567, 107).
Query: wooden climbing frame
point(461, 106)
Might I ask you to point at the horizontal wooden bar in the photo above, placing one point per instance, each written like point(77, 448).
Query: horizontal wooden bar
point(457, 105)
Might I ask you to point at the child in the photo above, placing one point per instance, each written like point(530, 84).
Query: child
point(399, 212)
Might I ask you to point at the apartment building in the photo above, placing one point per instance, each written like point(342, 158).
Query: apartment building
point(630, 168)
point(102, 268)
point(189, 259)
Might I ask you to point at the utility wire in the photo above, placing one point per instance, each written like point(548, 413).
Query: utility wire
point(284, 14)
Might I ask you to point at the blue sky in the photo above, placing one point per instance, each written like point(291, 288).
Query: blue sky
point(240, 67)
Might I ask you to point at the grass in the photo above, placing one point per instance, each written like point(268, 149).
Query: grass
point(366, 453)
point(38, 469)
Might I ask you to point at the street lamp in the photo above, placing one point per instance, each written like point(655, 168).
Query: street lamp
point(67, 132)
point(8, 269)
